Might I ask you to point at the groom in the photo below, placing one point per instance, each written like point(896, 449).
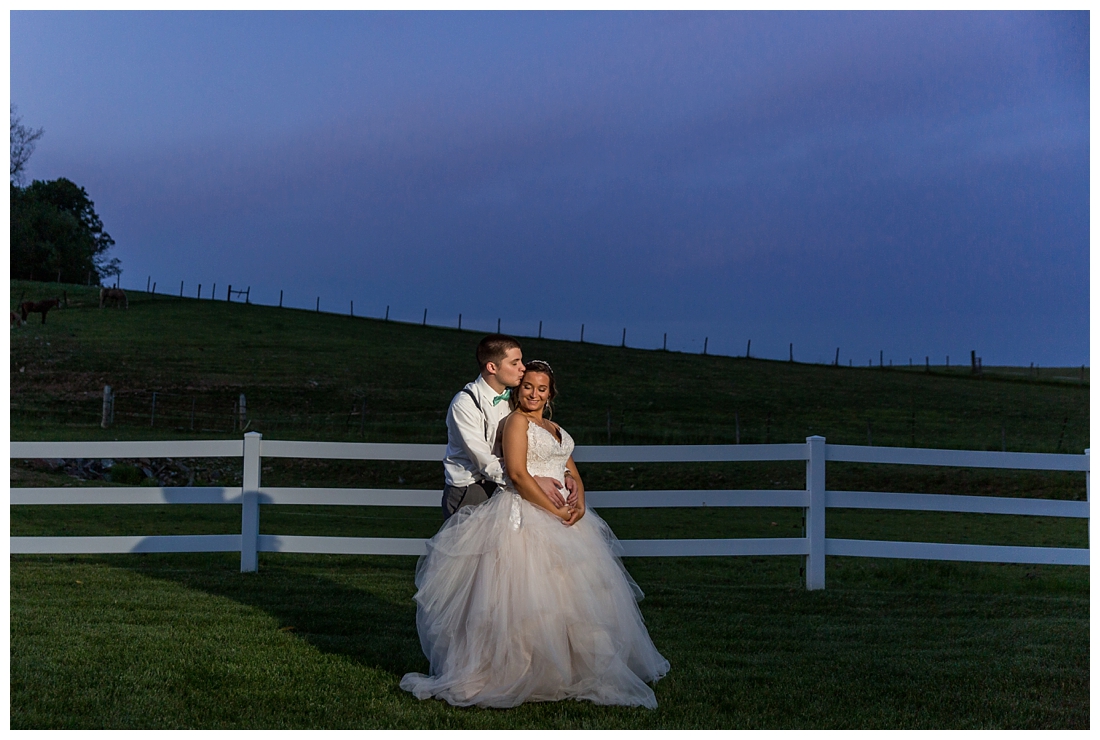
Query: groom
point(472, 466)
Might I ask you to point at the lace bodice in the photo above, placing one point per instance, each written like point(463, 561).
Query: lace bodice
point(545, 455)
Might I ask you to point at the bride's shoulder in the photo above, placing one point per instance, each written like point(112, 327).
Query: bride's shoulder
point(516, 420)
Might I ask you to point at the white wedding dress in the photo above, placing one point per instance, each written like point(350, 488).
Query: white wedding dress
point(513, 606)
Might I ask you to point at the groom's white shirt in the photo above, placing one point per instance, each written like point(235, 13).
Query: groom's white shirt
point(472, 436)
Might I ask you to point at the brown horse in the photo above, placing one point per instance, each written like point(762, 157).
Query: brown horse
point(41, 307)
point(16, 319)
point(118, 295)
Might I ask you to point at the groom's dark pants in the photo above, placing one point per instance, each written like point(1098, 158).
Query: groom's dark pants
point(454, 498)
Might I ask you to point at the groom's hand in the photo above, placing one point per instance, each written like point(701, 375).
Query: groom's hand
point(571, 485)
point(550, 487)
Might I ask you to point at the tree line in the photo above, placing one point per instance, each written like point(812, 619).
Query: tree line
point(55, 231)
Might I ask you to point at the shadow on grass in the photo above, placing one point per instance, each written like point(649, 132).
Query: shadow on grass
point(887, 645)
point(361, 610)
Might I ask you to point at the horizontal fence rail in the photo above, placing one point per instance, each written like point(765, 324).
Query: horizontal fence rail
point(688, 453)
point(128, 495)
point(154, 543)
point(955, 458)
point(99, 450)
point(814, 500)
point(971, 553)
point(967, 504)
point(353, 450)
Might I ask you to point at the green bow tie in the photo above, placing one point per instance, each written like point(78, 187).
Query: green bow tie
point(503, 396)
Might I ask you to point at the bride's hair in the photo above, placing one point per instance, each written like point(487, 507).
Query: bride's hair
point(538, 366)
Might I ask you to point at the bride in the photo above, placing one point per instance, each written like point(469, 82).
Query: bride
point(519, 600)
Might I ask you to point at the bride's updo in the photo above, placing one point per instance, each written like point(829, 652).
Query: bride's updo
point(538, 366)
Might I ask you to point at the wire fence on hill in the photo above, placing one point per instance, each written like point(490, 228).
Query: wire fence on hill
point(231, 411)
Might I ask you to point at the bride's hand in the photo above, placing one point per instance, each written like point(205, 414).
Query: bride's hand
point(575, 514)
point(561, 512)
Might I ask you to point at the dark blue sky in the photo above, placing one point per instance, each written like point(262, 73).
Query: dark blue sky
point(916, 183)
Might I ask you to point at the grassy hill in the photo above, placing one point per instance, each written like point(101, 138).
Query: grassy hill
point(318, 641)
point(310, 375)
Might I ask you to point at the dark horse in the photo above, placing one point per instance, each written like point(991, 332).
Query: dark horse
point(118, 295)
point(41, 307)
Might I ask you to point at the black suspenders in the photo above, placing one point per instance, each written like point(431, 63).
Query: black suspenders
point(477, 403)
point(489, 486)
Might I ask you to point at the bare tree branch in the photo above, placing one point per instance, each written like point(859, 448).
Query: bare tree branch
point(22, 146)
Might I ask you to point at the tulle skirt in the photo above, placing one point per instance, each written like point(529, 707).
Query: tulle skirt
point(513, 606)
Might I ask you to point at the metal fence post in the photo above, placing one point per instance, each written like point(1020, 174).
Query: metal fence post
point(250, 502)
point(815, 513)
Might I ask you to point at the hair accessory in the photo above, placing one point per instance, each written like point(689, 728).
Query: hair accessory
point(541, 362)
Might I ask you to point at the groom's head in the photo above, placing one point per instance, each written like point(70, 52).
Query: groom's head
point(500, 356)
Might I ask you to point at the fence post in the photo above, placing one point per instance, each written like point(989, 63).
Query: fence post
point(250, 503)
point(106, 407)
point(815, 513)
point(1088, 492)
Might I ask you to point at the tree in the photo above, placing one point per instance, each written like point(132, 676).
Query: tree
point(55, 229)
point(22, 142)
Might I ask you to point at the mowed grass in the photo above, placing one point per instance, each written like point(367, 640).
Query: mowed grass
point(158, 641)
point(321, 642)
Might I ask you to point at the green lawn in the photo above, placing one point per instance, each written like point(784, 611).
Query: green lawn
point(158, 641)
point(321, 642)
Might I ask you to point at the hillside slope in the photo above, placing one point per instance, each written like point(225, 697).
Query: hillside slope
point(312, 375)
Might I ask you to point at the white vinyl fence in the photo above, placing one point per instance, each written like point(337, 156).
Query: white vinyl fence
point(815, 499)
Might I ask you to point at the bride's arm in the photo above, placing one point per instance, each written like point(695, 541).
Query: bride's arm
point(514, 445)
